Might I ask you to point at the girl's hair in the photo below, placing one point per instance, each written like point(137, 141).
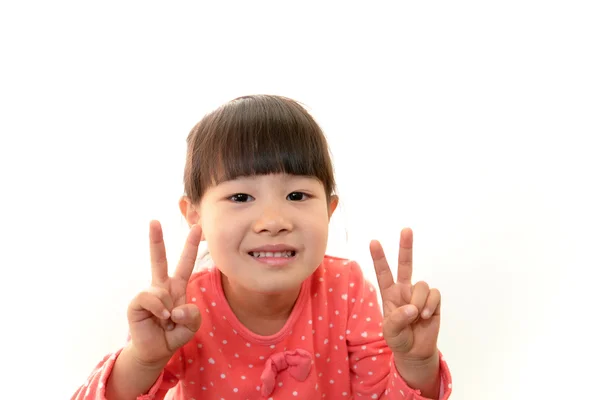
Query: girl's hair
point(255, 135)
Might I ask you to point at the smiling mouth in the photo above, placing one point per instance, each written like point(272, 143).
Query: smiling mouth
point(273, 254)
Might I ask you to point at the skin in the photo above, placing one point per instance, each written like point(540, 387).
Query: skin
point(238, 216)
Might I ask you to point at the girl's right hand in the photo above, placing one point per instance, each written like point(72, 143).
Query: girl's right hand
point(160, 321)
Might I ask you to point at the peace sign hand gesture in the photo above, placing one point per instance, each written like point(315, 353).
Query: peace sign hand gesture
point(160, 321)
point(411, 312)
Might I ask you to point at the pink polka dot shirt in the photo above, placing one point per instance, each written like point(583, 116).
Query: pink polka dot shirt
point(331, 347)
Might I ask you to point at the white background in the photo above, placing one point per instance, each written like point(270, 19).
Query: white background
point(474, 123)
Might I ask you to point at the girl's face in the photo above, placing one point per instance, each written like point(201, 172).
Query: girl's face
point(267, 233)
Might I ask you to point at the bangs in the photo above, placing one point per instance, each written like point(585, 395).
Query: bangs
point(258, 135)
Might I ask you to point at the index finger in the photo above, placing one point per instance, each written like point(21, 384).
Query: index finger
point(405, 256)
point(382, 269)
point(158, 254)
point(188, 256)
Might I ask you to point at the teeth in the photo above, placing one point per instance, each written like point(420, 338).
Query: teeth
point(258, 254)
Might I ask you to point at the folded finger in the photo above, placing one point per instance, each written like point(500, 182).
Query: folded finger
point(145, 304)
point(432, 305)
point(420, 292)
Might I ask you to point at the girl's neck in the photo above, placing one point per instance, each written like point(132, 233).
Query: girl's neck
point(262, 314)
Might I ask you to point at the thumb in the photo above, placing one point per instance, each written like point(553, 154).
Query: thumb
point(395, 331)
point(187, 319)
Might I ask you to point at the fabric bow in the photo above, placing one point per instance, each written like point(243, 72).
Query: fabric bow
point(297, 363)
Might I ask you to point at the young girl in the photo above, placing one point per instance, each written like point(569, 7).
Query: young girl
point(275, 318)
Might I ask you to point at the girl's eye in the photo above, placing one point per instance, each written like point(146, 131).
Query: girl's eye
point(241, 198)
point(297, 196)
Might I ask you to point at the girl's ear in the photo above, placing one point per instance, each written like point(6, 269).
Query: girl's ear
point(333, 203)
point(188, 211)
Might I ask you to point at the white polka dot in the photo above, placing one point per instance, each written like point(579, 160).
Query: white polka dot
point(330, 290)
point(203, 289)
point(234, 331)
point(247, 344)
point(337, 312)
point(316, 386)
point(237, 355)
point(331, 381)
point(321, 279)
point(190, 361)
point(374, 358)
point(339, 371)
point(201, 368)
point(353, 300)
point(341, 337)
point(320, 318)
point(213, 304)
point(199, 345)
point(250, 366)
point(374, 396)
point(318, 355)
point(310, 321)
point(368, 319)
point(364, 347)
point(280, 384)
point(211, 361)
point(222, 376)
point(370, 304)
point(354, 316)
point(351, 284)
point(370, 372)
point(347, 331)
point(235, 390)
point(331, 325)
point(449, 386)
point(302, 337)
point(261, 357)
point(326, 341)
point(193, 299)
point(224, 341)
point(344, 394)
point(272, 346)
point(295, 393)
point(364, 334)
point(344, 296)
point(243, 377)
point(211, 334)
point(258, 388)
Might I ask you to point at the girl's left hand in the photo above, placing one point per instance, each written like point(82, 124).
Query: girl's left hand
point(411, 312)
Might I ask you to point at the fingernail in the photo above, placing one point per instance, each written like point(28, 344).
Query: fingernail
point(426, 313)
point(166, 314)
point(411, 311)
point(178, 314)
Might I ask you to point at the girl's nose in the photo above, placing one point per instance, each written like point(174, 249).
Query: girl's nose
point(272, 221)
